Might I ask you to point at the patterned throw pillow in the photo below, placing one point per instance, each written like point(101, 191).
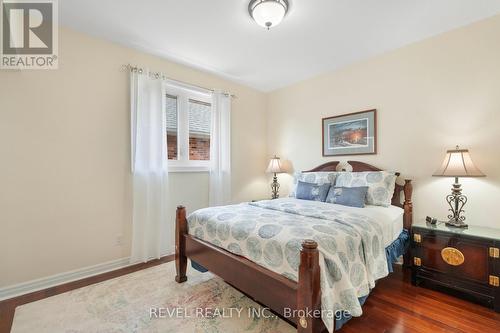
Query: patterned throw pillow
point(380, 185)
point(310, 191)
point(320, 178)
point(347, 196)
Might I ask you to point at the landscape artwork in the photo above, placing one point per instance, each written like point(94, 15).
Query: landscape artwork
point(350, 134)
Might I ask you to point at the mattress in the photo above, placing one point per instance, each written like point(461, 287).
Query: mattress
point(392, 218)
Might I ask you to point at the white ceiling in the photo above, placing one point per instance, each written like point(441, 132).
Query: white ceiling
point(315, 37)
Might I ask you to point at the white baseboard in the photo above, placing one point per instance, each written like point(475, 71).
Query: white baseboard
point(57, 279)
point(61, 278)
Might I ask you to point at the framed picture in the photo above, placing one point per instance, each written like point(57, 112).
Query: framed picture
point(350, 134)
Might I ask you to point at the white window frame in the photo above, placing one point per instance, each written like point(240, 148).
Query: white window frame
point(184, 94)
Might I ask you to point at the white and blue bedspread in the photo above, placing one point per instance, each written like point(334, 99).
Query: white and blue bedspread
point(270, 233)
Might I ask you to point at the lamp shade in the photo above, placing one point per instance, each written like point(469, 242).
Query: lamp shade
point(274, 165)
point(458, 163)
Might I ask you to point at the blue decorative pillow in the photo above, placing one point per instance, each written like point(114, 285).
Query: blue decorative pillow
point(348, 196)
point(310, 191)
point(320, 178)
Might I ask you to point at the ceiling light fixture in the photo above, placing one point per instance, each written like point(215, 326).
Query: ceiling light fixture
point(268, 13)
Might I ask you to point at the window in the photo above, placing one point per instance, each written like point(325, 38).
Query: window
point(171, 107)
point(199, 130)
point(188, 116)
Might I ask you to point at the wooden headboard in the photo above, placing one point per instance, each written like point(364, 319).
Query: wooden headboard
point(406, 189)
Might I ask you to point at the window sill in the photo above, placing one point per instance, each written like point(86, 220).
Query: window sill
point(188, 169)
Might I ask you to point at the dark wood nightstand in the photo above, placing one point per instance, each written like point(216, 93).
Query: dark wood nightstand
point(462, 260)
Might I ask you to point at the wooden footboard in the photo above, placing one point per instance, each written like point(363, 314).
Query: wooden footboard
point(273, 290)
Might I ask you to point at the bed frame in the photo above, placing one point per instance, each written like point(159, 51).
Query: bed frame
point(264, 286)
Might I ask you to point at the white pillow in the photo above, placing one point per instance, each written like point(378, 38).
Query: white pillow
point(380, 184)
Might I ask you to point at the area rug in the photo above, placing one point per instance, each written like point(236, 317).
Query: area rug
point(149, 301)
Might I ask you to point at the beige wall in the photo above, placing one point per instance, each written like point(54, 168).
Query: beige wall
point(65, 185)
point(430, 96)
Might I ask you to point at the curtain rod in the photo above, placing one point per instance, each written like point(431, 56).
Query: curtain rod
point(158, 75)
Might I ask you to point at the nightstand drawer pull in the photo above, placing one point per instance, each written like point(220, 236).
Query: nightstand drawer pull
point(494, 252)
point(417, 261)
point(452, 256)
point(417, 238)
point(494, 281)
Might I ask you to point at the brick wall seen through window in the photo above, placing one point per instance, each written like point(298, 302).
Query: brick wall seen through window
point(199, 121)
point(199, 130)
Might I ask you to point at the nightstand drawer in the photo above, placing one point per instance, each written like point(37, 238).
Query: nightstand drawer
point(463, 258)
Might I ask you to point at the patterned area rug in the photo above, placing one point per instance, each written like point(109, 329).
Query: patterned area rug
point(149, 301)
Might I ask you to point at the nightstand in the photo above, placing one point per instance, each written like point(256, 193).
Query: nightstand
point(462, 260)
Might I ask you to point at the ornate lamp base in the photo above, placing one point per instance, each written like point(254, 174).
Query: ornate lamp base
point(457, 201)
point(456, 224)
point(275, 187)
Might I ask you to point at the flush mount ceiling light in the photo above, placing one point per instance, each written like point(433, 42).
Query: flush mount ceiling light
point(268, 13)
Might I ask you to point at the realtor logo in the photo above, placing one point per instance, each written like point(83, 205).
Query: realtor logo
point(29, 34)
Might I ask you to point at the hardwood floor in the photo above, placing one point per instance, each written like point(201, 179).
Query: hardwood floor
point(394, 306)
point(397, 306)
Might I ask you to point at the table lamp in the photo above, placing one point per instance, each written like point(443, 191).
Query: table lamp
point(457, 163)
point(274, 167)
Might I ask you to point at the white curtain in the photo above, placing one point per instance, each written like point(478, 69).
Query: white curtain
point(220, 150)
point(149, 167)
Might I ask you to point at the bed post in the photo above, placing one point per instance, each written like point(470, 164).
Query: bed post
point(407, 217)
point(180, 244)
point(308, 289)
point(408, 205)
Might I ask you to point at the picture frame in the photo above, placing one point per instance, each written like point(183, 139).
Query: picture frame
point(350, 134)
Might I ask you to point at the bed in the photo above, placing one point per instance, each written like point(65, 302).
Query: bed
point(304, 260)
